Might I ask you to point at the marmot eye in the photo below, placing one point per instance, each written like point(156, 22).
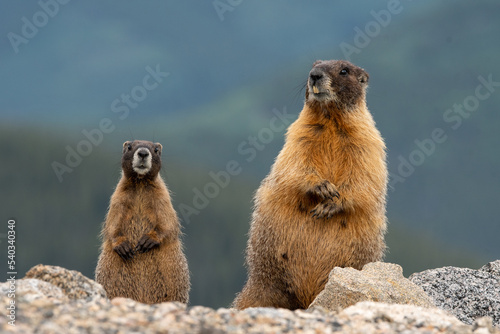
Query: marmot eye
point(156, 150)
point(129, 147)
point(344, 71)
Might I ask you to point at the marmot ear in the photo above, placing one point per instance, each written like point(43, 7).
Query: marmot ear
point(125, 145)
point(316, 62)
point(363, 77)
point(159, 147)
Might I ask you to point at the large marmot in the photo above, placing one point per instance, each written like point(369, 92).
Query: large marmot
point(323, 203)
point(141, 256)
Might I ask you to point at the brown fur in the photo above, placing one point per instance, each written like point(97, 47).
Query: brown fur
point(141, 256)
point(323, 203)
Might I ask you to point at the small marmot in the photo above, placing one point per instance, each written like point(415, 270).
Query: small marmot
point(323, 203)
point(141, 256)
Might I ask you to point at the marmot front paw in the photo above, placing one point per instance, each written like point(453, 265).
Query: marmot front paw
point(326, 209)
point(145, 244)
point(125, 250)
point(324, 191)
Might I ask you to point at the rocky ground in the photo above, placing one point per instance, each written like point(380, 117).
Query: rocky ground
point(377, 299)
point(466, 293)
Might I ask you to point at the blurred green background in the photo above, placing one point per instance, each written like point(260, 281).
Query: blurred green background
point(232, 65)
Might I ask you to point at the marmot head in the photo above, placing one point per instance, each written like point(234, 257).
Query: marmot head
point(338, 82)
point(141, 159)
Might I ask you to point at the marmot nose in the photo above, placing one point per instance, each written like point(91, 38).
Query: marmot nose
point(143, 153)
point(315, 75)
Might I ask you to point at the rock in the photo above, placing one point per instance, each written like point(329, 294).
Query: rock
point(380, 317)
point(377, 281)
point(123, 315)
point(468, 294)
point(32, 289)
point(492, 268)
point(73, 284)
point(42, 307)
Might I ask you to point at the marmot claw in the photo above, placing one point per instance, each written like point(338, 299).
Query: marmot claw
point(124, 250)
point(326, 209)
point(325, 191)
point(145, 244)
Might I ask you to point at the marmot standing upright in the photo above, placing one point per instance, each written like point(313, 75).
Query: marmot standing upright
point(323, 203)
point(141, 256)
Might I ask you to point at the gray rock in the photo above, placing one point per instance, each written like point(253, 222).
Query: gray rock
point(126, 316)
point(377, 281)
point(379, 317)
point(42, 307)
point(492, 268)
point(468, 294)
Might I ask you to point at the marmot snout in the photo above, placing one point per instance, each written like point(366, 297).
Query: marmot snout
point(338, 82)
point(142, 158)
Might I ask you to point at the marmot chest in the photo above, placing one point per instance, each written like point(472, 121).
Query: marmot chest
point(141, 217)
point(331, 152)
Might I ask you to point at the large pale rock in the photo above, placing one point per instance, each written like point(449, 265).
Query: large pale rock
point(32, 289)
point(72, 283)
point(42, 307)
point(377, 281)
point(371, 317)
point(126, 316)
point(466, 293)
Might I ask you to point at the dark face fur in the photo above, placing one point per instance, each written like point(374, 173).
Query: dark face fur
point(141, 159)
point(336, 81)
